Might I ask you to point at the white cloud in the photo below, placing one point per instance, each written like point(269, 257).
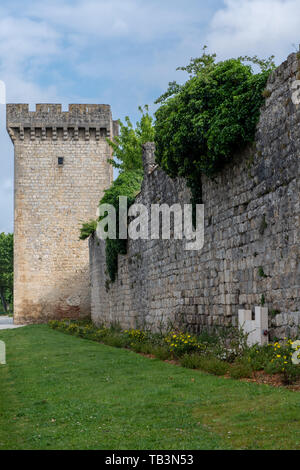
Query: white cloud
point(25, 47)
point(261, 27)
point(22, 39)
point(137, 19)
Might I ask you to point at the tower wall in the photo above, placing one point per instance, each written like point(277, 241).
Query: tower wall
point(52, 199)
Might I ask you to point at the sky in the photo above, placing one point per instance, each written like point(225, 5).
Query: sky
point(123, 52)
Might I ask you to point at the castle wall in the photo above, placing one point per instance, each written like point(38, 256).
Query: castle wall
point(251, 254)
point(51, 278)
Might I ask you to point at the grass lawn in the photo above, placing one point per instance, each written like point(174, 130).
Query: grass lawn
point(62, 392)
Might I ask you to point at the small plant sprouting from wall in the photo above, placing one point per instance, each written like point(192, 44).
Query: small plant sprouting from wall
point(274, 313)
point(87, 229)
point(266, 93)
point(261, 272)
point(107, 285)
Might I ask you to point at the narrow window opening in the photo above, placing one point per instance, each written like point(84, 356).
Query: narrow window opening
point(60, 161)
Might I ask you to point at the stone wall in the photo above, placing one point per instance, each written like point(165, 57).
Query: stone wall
point(52, 199)
point(251, 254)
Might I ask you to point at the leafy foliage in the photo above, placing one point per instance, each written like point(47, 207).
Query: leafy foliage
point(283, 360)
point(6, 269)
point(241, 370)
point(87, 229)
point(127, 184)
point(201, 124)
point(127, 148)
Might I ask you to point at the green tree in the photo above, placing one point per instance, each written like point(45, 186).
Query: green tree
point(6, 270)
point(127, 184)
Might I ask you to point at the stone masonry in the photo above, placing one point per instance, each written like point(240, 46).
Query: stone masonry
point(61, 171)
point(251, 254)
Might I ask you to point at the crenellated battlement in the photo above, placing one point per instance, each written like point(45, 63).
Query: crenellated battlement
point(49, 122)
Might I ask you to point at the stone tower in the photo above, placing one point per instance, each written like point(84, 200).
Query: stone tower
point(61, 171)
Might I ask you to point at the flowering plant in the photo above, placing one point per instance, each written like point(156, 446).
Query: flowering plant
point(136, 335)
point(286, 359)
point(181, 343)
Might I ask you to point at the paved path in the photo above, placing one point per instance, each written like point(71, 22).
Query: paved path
point(7, 323)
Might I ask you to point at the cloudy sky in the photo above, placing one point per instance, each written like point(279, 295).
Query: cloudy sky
point(123, 52)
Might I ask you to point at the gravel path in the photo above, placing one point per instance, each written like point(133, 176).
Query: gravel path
point(7, 323)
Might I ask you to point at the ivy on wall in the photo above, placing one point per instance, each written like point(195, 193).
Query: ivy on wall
point(127, 184)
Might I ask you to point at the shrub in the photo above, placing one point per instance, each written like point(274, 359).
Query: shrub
point(191, 361)
point(272, 369)
point(161, 352)
point(181, 343)
point(117, 341)
point(214, 366)
point(231, 344)
point(259, 357)
point(136, 335)
point(209, 364)
point(147, 348)
point(240, 370)
point(136, 346)
point(283, 360)
point(201, 124)
point(291, 374)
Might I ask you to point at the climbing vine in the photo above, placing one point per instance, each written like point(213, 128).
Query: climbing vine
point(127, 184)
point(127, 150)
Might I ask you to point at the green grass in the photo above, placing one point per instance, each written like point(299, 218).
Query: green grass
point(61, 392)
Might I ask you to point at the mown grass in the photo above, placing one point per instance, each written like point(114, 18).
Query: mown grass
point(62, 392)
